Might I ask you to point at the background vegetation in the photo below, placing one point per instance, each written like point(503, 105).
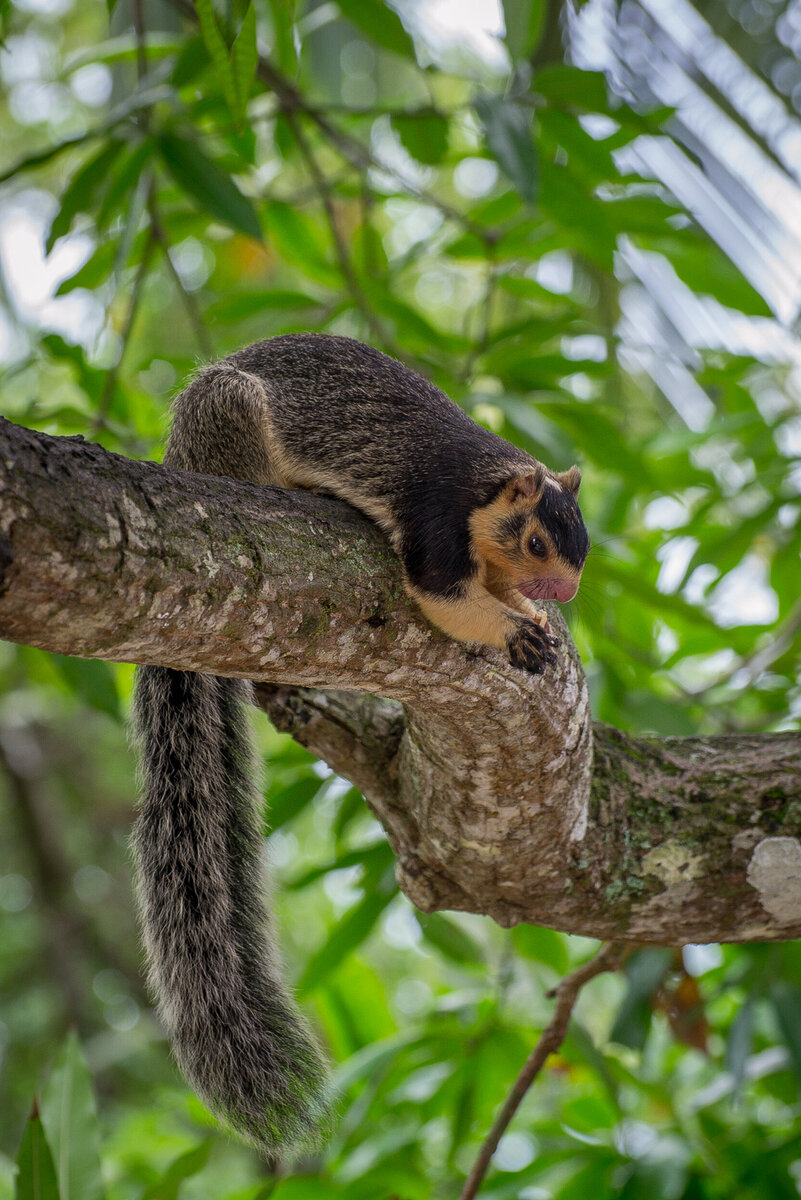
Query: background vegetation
point(199, 177)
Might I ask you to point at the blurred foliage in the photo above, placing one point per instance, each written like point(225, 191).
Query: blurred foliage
point(233, 172)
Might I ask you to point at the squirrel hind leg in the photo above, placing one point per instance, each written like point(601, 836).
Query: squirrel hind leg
point(221, 425)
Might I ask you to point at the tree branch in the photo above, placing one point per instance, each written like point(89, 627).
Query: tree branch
point(484, 780)
point(566, 992)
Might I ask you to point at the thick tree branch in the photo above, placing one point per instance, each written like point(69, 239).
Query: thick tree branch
point(484, 780)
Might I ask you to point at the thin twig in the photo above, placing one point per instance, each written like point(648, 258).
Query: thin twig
point(189, 302)
point(345, 265)
point(608, 958)
point(141, 46)
point(69, 937)
point(112, 375)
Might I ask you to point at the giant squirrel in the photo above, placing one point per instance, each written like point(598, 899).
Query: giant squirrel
point(482, 530)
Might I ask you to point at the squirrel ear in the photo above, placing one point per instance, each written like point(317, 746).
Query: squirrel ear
point(571, 479)
point(528, 486)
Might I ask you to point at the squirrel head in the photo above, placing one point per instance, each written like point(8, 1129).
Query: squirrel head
point(532, 536)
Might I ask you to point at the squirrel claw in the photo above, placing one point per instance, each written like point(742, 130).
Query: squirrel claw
point(529, 649)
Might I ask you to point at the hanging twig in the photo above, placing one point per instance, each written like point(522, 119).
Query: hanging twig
point(189, 302)
point(106, 395)
point(608, 958)
point(326, 198)
point(70, 939)
point(138, 14)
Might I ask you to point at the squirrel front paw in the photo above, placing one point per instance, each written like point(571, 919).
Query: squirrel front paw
point(531, 648)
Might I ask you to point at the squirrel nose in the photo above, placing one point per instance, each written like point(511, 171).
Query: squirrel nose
point(560, 589)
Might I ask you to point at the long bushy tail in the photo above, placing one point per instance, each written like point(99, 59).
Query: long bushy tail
point(237, 1034)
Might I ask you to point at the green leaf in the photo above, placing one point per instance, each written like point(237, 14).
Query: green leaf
point(36, 1178)
point(219, 54)
point(286, 48)
point(123, 182)
point(446, 936)
point(305, 1187)
point(374, 858)
point(42, 157)
point(300, 241)
point(540, 435)
point(182, 1168)
point(292, 800)
point(371, 1059)
point(572, 87)
point(214, 190)
point(351, 807)
point(244, 59)
point(91, 679)
point(241, 304)
point(787, 1006)
point(543, 945)
point(509, 134)
point(590, 159)
point(739, 1043)
point(580, 215)
point(665, 1176)
point(125, 48)
point(381, 24)
point(413, 330)
point(580, 1043)
point(344, 938)
point(80, 195)
point(525, 24)
point(193, 59)
point(700, 264)
point(89, 378)
point(94, 271)
point(70, 1120)
point(645, 971)
point(424, 133)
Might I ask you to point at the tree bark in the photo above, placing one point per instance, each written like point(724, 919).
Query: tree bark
point(497, 793)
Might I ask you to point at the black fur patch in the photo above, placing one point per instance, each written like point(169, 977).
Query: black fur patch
point(560, 515)
point(436, 540)
point(512, 527)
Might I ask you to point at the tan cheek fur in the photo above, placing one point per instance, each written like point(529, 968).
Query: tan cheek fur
point(500, 567)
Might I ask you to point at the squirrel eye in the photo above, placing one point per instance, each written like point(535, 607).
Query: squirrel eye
point(537, 548)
